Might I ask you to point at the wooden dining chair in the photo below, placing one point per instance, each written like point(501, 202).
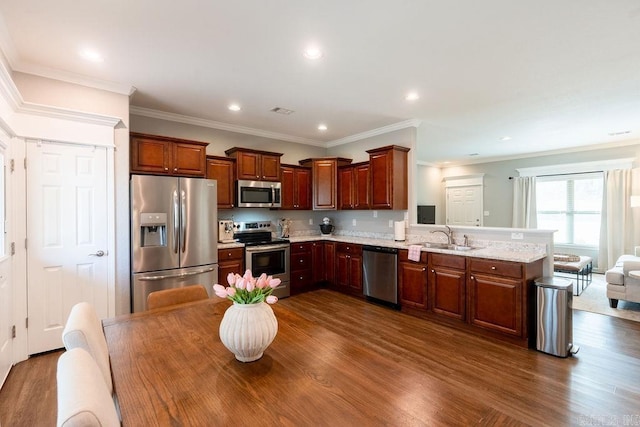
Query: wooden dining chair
point(84, 330)
point(83, 398)
point(173, 296)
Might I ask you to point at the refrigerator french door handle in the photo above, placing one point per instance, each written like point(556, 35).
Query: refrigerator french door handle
point(183, 220)
point(273, 195)
point(171, 276)
point(176, 222)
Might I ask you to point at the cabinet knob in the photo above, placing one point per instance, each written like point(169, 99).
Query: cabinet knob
point(473, 278)
point(166, 169)
point(493, 267)
point(433, 271)
point(424, 269)
point(301, 261)
point(229, 254)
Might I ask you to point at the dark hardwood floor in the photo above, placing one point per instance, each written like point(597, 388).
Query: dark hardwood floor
point(471, 380)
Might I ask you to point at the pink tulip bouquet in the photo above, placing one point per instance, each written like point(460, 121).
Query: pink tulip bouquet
point(248, 289)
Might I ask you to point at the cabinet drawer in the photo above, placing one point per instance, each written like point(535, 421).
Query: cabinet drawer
point(349, 248)
point(301, 261)
point(497, 268)
point(403, 256)
point(230, 254)
point(451, 261)
point(297, 248)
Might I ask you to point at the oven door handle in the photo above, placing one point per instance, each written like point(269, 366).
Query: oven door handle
point(264, 248)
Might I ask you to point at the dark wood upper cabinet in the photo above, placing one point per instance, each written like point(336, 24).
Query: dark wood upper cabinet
point(256, 165)
point(222, 169)
point(160, 155)
point(354, 186)
point(325, 181)
point(296, 187)
point(389, 184)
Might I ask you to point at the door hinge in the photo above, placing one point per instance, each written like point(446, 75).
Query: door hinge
point(26, 322)
point(13, 331)
point(25, 243)
point(12, 165)
point(13, 248)
point(25, 163)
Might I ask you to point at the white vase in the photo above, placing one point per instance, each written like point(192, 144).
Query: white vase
point(248, 329)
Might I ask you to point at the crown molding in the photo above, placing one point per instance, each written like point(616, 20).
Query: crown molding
point(173, 117)
point(78, 79)
point(10, 93)
point(375, 132)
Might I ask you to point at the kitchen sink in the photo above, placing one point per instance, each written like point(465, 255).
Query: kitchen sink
point(448, 246)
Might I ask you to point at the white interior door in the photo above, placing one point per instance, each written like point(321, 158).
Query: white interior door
point(66, 235)
point(464, 205)
point(6, 319)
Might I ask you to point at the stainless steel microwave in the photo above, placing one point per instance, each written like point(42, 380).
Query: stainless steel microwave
point(258, 194)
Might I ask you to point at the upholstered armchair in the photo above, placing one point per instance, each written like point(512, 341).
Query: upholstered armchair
point(620, 286)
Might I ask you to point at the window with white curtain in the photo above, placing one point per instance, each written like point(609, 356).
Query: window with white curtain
point(572, 205)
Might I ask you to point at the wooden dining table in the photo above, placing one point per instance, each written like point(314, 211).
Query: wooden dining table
point(170, 368)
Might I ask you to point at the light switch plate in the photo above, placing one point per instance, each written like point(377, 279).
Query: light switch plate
point(310, 221)
point(390, 223)
point(354, 222)
point(375, 214)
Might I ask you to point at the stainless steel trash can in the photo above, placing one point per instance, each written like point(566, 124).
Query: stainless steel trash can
point(554, 316)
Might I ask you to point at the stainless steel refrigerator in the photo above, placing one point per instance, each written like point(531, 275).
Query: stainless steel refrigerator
point(174, 234)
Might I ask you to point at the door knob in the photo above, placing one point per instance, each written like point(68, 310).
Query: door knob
point(98, 254)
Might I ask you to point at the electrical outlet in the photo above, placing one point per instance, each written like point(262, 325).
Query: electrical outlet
point(390, 223)
point(310, 221)
point(486, 213)
point(375, 214)
point(517, 236)
point(354, 222)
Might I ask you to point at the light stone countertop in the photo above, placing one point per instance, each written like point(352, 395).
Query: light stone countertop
point(495, 253)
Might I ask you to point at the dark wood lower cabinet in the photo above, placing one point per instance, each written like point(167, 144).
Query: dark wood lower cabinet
point(447, 292)
point(349, 268)
point(318, 267)
point(301, 267)
point(497, 304)
point(412, 280)
point(230, 261)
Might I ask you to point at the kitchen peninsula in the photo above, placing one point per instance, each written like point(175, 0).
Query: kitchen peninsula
point(486, 289)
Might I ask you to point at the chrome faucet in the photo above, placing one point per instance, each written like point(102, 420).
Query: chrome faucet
point(447, 233)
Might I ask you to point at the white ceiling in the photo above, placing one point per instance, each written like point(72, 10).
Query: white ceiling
point(551, 74)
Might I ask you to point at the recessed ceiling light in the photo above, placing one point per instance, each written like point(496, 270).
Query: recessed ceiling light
point(234, 107)
point(322, 127)
point(313, 52)
point(91, 55)
point(412, 96)
point(505, 138)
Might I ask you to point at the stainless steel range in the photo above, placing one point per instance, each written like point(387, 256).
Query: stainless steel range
point(264, 253)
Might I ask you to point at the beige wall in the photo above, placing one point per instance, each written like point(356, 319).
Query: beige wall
point(221, 140)
point(50, 92)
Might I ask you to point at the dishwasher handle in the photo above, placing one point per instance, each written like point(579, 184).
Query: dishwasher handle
point(382, 249)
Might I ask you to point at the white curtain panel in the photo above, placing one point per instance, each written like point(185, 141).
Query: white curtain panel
point(616, 228)
point(524, 202)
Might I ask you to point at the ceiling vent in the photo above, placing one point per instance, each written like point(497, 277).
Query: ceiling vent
point(280, 110)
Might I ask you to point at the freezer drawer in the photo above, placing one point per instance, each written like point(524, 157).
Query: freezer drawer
point(145, 283)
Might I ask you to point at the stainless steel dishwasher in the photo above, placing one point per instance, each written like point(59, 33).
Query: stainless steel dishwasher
point(380, 273)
